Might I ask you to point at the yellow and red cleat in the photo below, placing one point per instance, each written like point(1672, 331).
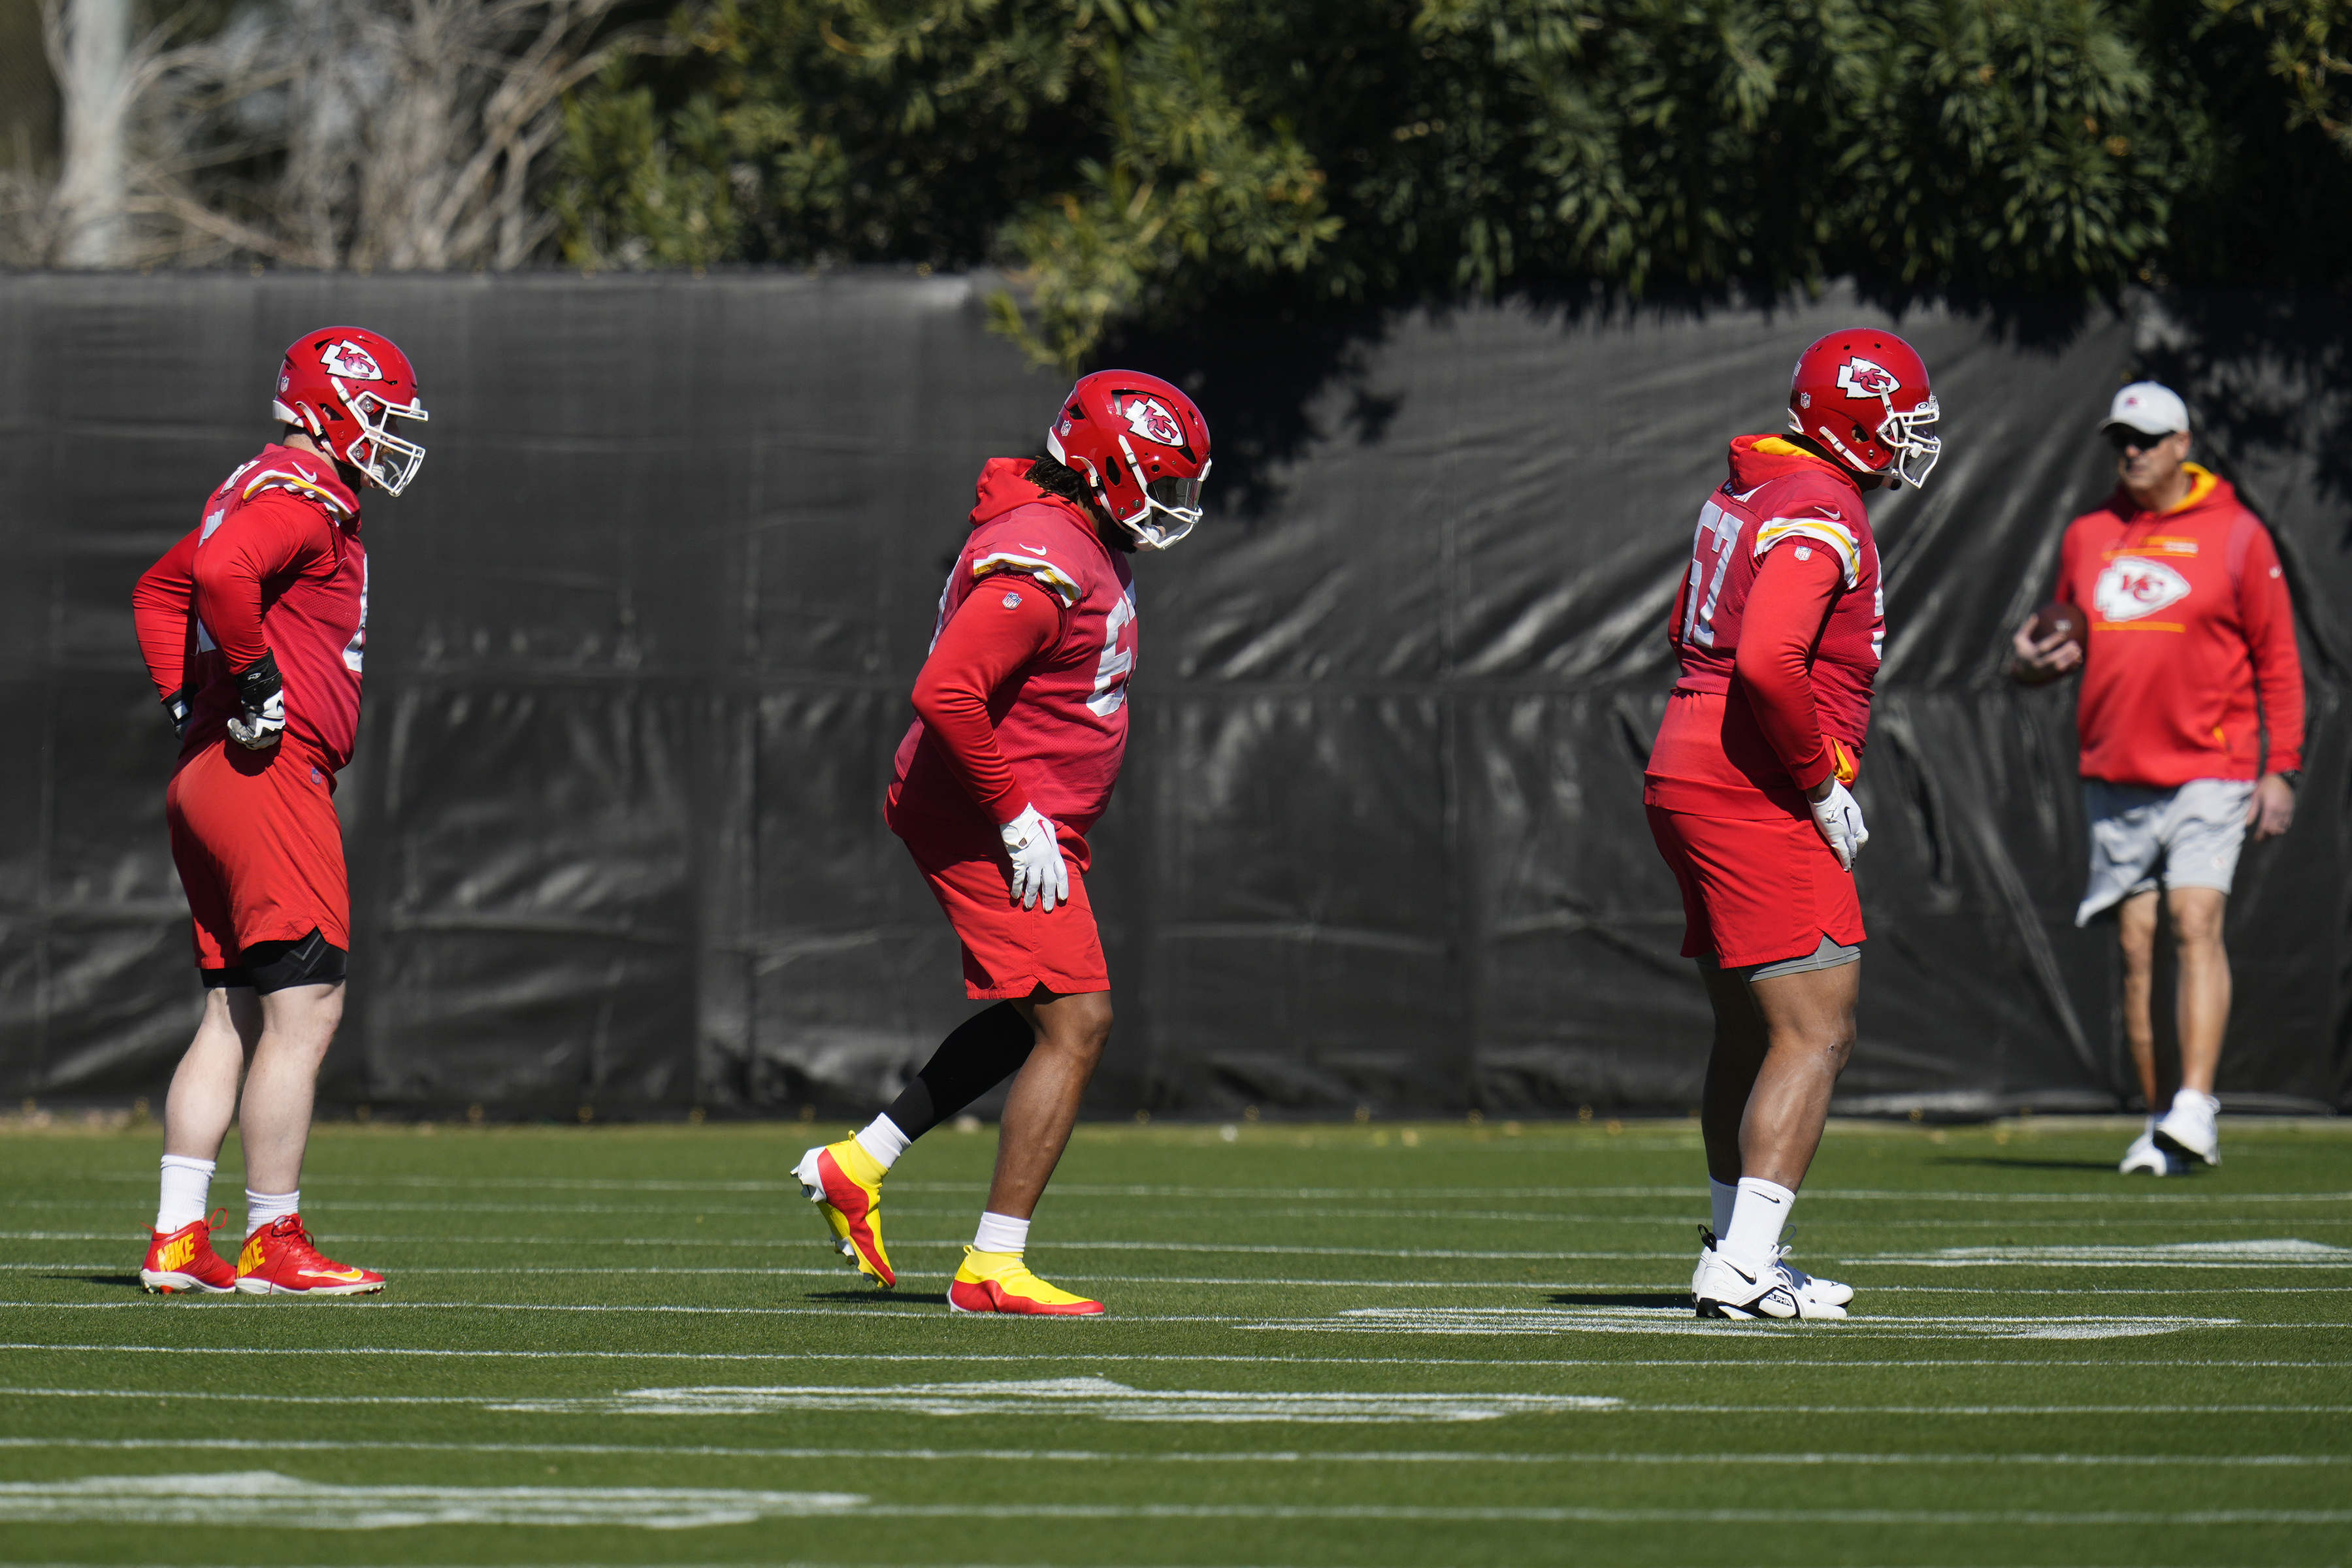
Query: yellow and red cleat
point(184, 1260)
point(1001, 1282)
point(845, 1182)
point(279, 1260)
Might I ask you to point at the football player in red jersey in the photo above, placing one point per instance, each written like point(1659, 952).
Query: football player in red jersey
point(254, 627)
point(1021, 726)
point(1777, 627)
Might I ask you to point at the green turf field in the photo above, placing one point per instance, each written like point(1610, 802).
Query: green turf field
point(1433, 1344)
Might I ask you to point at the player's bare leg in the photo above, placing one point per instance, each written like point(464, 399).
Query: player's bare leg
point(1809, 1027)
point(203, 1098)
point(297, 1024)
point(1781, 1044)
point(1043, 1104)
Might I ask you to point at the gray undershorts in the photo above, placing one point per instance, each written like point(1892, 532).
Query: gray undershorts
point(2143, 839)
point(1831, 954)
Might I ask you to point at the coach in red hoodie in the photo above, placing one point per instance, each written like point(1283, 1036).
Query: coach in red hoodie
point(2191, 720)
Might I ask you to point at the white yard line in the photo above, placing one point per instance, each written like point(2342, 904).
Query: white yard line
point(1627, 1406)
point(1064, 1353)
point(1229, 1457)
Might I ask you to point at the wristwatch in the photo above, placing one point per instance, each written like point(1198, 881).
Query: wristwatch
point(2294, 777)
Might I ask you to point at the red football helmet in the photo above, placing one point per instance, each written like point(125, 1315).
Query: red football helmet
point(1863, 394)
point(346, 387)
point(1142, 445)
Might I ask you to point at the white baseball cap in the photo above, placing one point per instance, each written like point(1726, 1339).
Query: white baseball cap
point(2149, 407)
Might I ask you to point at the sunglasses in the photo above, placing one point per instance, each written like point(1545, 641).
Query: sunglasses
point(2128, 440)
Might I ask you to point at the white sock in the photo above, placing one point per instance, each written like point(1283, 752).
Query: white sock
point(263, 1209)
point(882, 1139)
point(1000, 1232)
point(187, 1188)
point(1756, 1221)
point(1722, 1195)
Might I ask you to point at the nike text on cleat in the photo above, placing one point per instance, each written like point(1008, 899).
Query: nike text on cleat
point(2147, 1154)
point(1724, 1290)
point(1001, 1282)
point(279, 1260)
point(845, 1182)
point(2189, 1126)
point(184, 1260)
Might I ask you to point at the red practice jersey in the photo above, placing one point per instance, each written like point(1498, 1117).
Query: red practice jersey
point(1061, 721)
point(275, 567)
point(2191, 652)
point(1712, 756)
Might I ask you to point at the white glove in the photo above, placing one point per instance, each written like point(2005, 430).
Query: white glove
point(262, 697)
point(1840, 820)
point(1038, 868)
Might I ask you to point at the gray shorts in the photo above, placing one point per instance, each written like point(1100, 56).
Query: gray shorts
point(2143, 839)
point(1831, 954)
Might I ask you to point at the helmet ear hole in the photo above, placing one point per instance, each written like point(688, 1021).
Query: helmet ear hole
point(1118, 475)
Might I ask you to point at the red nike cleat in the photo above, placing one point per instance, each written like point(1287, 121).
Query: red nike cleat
point(279, 1260)
point(1001, 1282)
point(184, 1260)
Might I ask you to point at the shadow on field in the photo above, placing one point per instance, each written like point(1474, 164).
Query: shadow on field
point(929, 1297)
point(128, 1280)
point(1621, 1299)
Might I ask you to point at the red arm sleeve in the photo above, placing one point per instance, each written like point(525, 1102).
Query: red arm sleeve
point(1004, 623)
point(256, 542)
point(2268, 615)
point(159, 609)
point(1786, 606)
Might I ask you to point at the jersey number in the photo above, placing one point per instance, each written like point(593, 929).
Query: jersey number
point(1110, 674)
point(1723, 529)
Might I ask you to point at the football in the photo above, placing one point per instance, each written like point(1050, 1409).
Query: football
point(2063, 620)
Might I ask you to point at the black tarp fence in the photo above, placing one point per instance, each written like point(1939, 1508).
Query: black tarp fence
point(641, 638)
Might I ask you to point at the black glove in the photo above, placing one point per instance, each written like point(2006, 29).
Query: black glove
point(263, 697)
point(176, 705)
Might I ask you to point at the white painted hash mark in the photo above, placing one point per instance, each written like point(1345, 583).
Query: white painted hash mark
point(1063, 1397)
point(1680, 1321)
point(236, 1499)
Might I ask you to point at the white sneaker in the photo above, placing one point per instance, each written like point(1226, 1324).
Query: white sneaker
point(1722, 1288)
point(2188, 1128)
point(1827, 1292)
point(2147, 1154)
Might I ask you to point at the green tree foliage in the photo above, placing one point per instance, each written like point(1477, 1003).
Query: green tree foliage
point(1127, 158)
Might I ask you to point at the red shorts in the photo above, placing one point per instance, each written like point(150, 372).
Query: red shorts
point(1008, 950)
point(1755, 892)
point(259, 849)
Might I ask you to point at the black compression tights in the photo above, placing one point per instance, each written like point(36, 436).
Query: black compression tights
point(984, 1050)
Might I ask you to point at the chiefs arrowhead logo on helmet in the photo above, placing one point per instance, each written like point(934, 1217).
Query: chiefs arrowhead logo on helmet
point(1861, 378)
point(1150, 418)
point(350, 362)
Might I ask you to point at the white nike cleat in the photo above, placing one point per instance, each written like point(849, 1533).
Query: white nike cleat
point(1724, 1290)
point(1827, 1292)
point(2189, 1126)
point(2147, 1154)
